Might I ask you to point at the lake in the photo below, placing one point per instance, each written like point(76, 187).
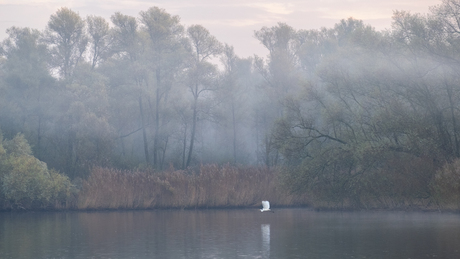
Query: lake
point(232, 233)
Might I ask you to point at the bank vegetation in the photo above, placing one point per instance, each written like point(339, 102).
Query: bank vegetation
point(27, 183)
point(135, 112)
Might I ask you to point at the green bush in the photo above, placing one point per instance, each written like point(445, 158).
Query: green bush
point(25, 181)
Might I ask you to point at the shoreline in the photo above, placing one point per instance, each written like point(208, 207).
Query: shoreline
point(204, 208)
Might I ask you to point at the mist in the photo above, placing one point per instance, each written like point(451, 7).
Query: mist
point(349, 110)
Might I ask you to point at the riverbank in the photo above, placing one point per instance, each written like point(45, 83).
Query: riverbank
point(213, 187)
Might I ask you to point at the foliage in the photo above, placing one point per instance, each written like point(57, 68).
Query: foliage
point(26, 181)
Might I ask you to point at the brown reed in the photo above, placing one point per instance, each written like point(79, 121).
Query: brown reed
point(212, 186)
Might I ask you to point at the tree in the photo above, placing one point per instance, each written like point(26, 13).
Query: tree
point(65, 34)
point(167, 58)
point(229, 60)
point(29, 86)
point(130, 47)
point(83, 124)
point(281, 79)
point(433, 39)
point(100, 39)
point(236, 84)
point(201, 74)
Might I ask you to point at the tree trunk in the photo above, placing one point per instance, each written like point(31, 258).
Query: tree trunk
point(39, 138)
point(234, 133)
point(192, 137)
point(157, 120)
point(144, 134)
point(163, 155)
point(184, 147)
point(267, 151)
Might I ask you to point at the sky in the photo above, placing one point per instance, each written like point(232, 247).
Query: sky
point(230, 21)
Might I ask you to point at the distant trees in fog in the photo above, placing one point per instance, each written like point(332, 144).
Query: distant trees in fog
point(350, 109)
point(135, 92)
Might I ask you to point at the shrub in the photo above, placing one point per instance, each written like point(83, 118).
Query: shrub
point(26, 182)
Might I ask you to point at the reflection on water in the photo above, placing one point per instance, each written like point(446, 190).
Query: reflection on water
point(265, 228)
point(288, 233)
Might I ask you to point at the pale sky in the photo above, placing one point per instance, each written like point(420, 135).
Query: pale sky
point(231, 21)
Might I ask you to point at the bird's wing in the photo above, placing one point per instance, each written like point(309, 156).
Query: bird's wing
point(266, 205)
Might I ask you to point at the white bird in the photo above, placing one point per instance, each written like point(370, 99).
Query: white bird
point(266, 207)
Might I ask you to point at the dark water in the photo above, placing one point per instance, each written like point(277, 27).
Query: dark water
point(248, 233)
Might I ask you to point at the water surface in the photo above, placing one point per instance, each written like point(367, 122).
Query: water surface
point(246, 233)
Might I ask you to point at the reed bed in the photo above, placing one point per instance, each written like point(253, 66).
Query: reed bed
point(212, 186)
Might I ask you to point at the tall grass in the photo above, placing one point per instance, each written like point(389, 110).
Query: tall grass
point(212, 186)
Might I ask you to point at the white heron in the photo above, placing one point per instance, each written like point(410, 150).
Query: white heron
point(266, 207)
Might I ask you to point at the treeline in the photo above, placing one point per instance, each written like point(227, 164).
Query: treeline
point(139, 91)
point(358, 117)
